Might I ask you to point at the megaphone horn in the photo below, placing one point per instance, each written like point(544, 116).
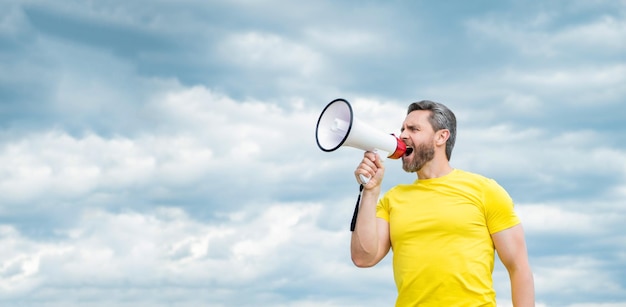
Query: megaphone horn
point(337, 127)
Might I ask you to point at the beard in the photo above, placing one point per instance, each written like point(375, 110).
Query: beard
point(422, 154)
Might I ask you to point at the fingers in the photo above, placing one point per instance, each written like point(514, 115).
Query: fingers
point(369, 166)
point(378, 161)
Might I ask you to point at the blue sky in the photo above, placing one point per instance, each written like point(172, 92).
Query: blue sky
point(162, 153)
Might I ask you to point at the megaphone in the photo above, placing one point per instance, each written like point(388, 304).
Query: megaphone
point(337, 127)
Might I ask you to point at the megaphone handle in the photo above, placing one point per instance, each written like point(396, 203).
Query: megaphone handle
point(364, 180)
point(382, 155)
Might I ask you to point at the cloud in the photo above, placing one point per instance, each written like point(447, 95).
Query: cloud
point(164, 154)
point(546, 33)
point(169, 250)
point(269, 52)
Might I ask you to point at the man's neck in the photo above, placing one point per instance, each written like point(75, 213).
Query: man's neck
point(434, 169)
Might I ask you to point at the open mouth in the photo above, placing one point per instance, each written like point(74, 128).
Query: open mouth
point(408, 152)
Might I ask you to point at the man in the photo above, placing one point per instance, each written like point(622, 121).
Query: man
point(444, 227)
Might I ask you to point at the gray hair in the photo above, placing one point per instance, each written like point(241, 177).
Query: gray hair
point(440, 118)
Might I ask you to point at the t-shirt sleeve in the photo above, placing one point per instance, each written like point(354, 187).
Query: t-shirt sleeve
point(382, 209)
point(499, 210)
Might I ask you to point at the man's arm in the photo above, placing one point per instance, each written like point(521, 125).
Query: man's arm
point(511, 247)
point(370, 240)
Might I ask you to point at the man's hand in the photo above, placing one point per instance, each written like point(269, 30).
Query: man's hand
point(371, 167)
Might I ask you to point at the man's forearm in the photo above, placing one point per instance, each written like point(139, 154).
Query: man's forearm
point(364, 242)
point(522, 288)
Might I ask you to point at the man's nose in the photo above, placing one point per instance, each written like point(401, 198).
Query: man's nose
point(403, 135)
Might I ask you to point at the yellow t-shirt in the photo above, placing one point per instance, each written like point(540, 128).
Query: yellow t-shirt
point(440, 233)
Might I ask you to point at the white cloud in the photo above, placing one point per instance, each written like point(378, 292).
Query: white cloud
point(598, 84)
point(605, 32)
point(203, 136)
point(553, 219)
point(579, 275)
point(522, 103)
point(269, 52)
point(347, 41)
point(188, 177)
point(280, 247)
point(55, 164)
point(543, 34)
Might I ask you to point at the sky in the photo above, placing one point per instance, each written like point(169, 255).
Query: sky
point(162, 153)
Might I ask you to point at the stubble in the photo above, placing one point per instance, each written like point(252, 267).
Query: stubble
point(421, 155)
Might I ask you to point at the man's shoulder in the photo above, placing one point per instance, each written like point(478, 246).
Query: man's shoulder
point(475, 178)
point(470, 175)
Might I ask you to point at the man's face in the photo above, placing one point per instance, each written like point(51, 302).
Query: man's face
point(418, 134)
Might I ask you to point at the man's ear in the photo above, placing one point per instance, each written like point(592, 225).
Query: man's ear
point(442, 136)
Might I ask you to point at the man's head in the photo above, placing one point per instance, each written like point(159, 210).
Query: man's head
point(440, 118)
point(429, 128)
